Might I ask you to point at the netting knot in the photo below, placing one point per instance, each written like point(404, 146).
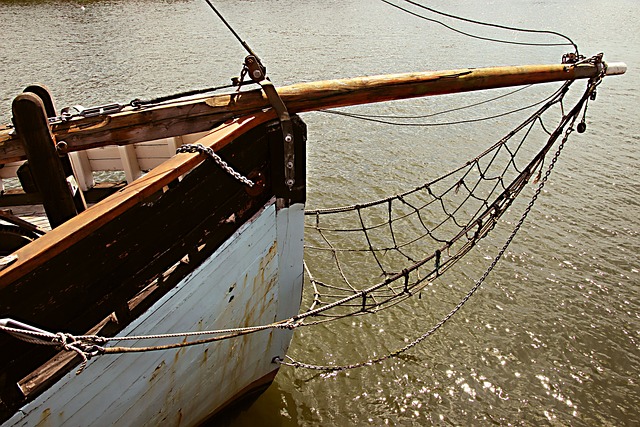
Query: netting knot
point(438, 254)
point(476, 235)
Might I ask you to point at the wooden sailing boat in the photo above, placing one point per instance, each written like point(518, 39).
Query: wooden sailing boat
point(188, 247)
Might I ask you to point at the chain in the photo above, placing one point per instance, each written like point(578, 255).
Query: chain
point(199, 148)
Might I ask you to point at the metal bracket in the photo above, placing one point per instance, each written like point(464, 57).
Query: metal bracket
point(257, 73)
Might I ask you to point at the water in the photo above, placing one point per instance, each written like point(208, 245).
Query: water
point(552, 336)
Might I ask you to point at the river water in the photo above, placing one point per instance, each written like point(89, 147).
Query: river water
point(552, 336)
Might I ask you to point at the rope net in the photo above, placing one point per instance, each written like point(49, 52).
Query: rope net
point(356, 250)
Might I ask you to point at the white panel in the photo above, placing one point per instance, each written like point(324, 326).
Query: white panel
point(108, 152)
point(193, 137)
point(290, 253)
point(173, 145)
point(82, 169)
point(153, 151)
point(129, 162)
point(147, 163)
point(106, 164)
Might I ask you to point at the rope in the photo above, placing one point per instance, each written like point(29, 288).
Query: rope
point(487, 24)
point(86, 346)
point(558, 95)
point(63, 341)
point(451, 110)
point(139, 103)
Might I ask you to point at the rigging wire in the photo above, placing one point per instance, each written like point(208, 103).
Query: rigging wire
point(138, 103)
point(451, 110)
point(235, 34)
point(375, 119)
point(488, 24)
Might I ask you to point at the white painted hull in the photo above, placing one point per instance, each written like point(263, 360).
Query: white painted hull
point(254, 278)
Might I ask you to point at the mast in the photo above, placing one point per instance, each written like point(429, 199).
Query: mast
point(183, 117)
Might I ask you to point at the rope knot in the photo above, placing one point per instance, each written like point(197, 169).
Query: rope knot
point(290, 324)
point(86, 351)
point(66, 341)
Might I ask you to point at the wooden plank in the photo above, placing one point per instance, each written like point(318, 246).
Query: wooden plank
point(56, 241)
point(184, 117)
point(9, 170)
point(53, 369)
point(15, 198)
point(25, 223)
point(47, 170)
point(43, 92)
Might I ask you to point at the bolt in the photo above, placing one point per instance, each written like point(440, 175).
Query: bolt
point(62, 147)
point(288, 138)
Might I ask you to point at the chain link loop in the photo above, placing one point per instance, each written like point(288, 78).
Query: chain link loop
point(199, 148)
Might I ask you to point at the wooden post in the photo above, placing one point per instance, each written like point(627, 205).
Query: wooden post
point(44, 94)
point(30, 120)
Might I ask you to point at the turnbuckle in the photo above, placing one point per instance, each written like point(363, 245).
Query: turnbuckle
point(79, 111)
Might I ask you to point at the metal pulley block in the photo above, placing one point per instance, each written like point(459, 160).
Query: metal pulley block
point(257, 71)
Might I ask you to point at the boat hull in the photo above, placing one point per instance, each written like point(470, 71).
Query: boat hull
point(251, 279)
point(186, 248)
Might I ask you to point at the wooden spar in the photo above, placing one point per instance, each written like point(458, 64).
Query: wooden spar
point(184, 117)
